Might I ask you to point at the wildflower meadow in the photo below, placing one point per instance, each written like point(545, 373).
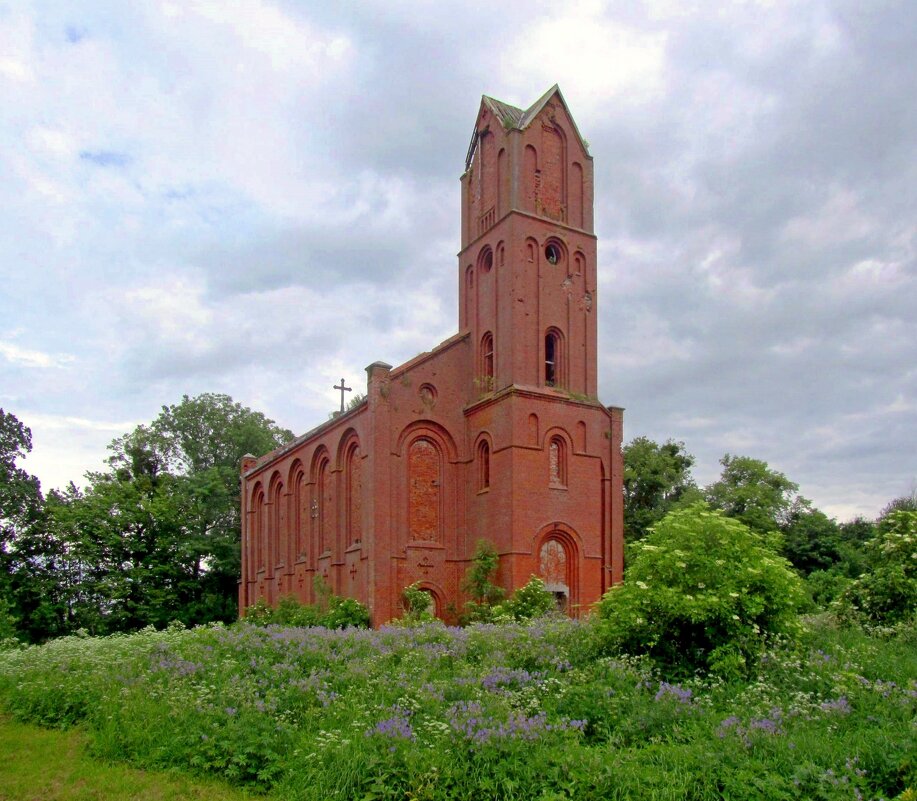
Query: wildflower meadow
point(511, 711)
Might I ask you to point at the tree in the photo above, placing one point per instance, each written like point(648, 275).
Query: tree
point(201, 442)
point(763, 499)
point(887, 592)
point(702, 591)
point(478, 584)
point(156, 537)
point(811, 541)
point(904, 503)
point(656, 478)
point(27, 555)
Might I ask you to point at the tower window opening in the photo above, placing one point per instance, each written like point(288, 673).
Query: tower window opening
point(483, 466)
point(552, 253)
point(486, 260)
point(487, 359)
point(550, 359)
point(557, 462)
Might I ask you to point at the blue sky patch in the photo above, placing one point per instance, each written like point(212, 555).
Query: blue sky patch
point(75, 34)
point(105, 158)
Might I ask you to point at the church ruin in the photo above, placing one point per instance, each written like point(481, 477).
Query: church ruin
point(495, 434)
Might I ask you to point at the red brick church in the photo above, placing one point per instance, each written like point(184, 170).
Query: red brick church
point(494, 434)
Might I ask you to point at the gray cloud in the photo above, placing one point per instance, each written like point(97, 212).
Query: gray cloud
point(297, 165)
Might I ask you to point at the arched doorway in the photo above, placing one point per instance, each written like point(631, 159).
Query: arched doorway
point(557, 566)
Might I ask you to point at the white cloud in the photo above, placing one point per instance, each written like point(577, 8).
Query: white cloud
point(26, 357)
point(595, 59)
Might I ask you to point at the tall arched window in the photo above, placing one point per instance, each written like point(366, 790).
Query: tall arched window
point(322, 506)
point(298, 523)
point(425, 484)
point(554, 568)
point(483, 465)
point(278, 534)
point(354, 494)
point(553, 358)
point(255, 543)
point(557, 461)
point(487, 360)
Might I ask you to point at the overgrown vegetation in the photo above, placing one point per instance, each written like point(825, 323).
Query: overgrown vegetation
point(331, 611)
point(499, 712)
point(702, 592)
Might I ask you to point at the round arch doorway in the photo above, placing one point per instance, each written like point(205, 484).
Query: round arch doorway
point(558, 565)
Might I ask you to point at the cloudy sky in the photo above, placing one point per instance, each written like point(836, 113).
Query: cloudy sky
point(258, 197)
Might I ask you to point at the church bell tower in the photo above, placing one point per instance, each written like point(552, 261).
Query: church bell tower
point(547, 485)
point(528, 260)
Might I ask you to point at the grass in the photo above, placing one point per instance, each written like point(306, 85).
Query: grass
point(509, 712)
point(43, 765)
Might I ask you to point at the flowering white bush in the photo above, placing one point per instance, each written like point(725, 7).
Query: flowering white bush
point(701, 591)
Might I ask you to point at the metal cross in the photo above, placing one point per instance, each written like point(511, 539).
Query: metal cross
point(343, 390)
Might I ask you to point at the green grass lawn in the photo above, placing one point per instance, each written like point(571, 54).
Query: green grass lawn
point(44, 765)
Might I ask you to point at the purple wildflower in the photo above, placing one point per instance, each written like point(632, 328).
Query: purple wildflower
point(681, 693)
point(839, 705)
point(397, 728)
point(766, 725)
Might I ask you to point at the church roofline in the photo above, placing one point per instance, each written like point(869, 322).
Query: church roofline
point(513, 117)
point(321, 428)
point(429, 354)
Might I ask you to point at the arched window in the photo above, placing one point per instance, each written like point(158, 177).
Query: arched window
point(425, 484)
point(277, 537)
point(255, 543)
point(354, 492)
point(557, 461)
point(553, 347)
point(300, 515)
point(554, 568)
point(487, 360)
point(483, 465)
point(322, 506)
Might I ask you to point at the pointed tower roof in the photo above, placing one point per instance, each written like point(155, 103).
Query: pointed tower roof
point(513, 117)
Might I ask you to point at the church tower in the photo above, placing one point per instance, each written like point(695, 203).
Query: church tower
point(527, 295)
point(527, 211)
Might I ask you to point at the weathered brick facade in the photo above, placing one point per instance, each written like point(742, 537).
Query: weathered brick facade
point(495, 434)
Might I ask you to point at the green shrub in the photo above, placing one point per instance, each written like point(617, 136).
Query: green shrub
point(702, 591)
point(332, 612)
point(887, 592)
point(345, 613)
point(417, 604)
point(825, 586)
point(528, 602)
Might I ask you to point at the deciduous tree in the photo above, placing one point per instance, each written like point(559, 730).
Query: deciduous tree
point(763, 499)
point(656, 478)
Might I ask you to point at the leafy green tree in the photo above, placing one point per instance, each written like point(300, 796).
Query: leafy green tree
point(136, 567)
point(702, 591)
point(28, 557)
point(748, 490)
point(904, 503)
point(656, 478)
point(156, 537)
point(811, 541)
point(478, 584)
point(887, 592)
